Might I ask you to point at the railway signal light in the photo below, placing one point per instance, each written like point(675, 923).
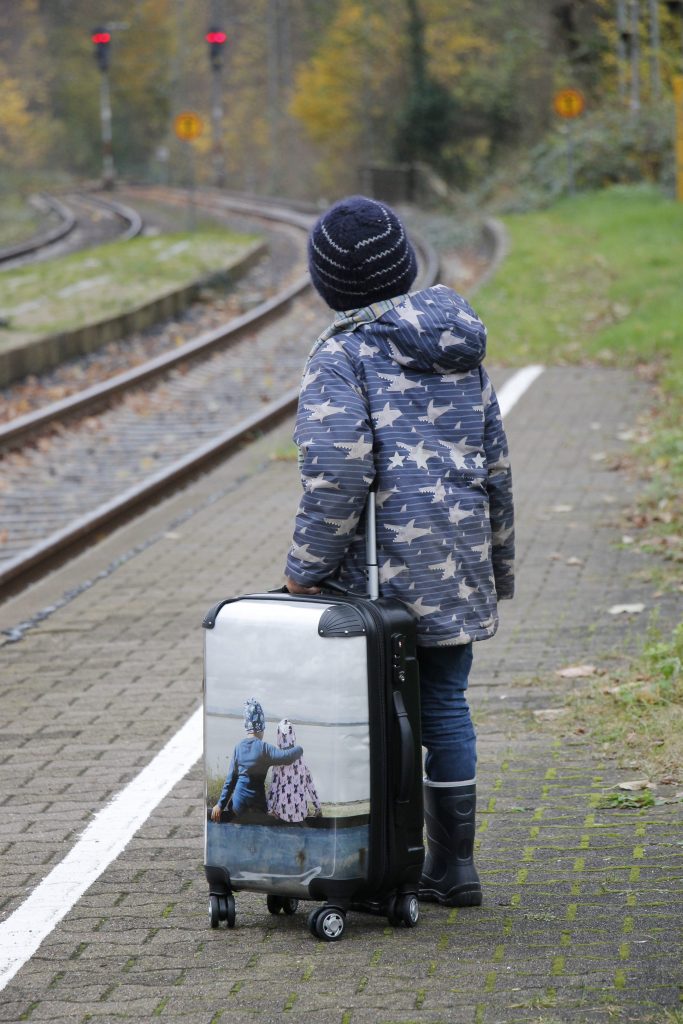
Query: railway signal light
point(102, 40)
point(216, 38)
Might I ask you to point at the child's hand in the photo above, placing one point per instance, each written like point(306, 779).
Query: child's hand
point(296, 588)
point(216, 813)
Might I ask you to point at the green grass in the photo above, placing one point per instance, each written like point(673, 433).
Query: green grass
point(636, 713)
point(595, 278)
point(110, 279)
point(598, 279)
point(18, 220)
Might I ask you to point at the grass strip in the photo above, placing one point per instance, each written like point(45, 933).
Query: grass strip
point(635, 713)
point(597, 279)
point(110, 279)
point(18, 220)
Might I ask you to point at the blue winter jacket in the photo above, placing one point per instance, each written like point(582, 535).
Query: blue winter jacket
point(247, 771)
point(398, 391)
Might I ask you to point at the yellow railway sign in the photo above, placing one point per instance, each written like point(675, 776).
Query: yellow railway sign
point(188, 126)
point(678, 97)
point(569, 103)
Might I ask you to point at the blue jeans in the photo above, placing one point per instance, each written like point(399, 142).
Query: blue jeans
point(447, 730)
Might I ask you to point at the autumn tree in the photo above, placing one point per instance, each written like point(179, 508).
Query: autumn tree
point(27, 128)
point(427, 120)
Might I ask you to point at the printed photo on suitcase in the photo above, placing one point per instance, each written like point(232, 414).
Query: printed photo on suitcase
point(312, 757)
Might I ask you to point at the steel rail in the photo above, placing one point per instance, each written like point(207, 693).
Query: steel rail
point(156, 485)
point(98, 395)
point(129, 215)
point(67, 223)
point(163, 483)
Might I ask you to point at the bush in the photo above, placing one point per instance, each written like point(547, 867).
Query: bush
point(610, 146)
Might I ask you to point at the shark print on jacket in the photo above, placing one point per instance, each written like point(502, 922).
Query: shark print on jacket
point(396, 394)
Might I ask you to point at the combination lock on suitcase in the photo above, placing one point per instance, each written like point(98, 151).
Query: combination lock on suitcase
point(321, 799)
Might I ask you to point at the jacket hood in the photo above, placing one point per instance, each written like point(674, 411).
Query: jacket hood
point(286, 737)
point(433, 331)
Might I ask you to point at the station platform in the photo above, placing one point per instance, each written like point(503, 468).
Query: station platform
point(102, 664)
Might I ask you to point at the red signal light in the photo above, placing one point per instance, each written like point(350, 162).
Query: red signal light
point(101, 37)
point(216, 38)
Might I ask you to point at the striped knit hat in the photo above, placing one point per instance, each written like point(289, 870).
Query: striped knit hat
point(358, 253)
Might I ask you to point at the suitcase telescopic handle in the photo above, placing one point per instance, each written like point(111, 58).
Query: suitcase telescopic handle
point(371, 543)
point(407, 747)
point(370, 552)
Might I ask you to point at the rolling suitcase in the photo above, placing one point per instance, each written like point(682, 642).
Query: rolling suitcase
point(342, 824)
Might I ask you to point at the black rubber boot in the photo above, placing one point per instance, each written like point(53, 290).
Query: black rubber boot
point(449, 875)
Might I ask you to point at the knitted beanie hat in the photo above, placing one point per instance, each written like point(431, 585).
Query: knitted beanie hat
point(254, 719)
point(358, 253)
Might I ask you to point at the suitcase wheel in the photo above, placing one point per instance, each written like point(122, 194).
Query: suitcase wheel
point(327, 923)
point(222, 908)
point(403, 910)
point(285, 904)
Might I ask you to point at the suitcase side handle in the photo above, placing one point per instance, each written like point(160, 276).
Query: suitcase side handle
point(407, 748)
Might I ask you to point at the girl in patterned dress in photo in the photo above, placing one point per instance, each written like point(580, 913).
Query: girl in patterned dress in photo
point(292, 785)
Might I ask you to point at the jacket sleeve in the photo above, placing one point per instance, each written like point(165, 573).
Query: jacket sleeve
point(230, 781)
point(499, 486)
point(335, 439)
point(279, 757)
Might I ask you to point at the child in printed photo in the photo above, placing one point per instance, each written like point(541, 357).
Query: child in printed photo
point(244, 788)
point(292, 785)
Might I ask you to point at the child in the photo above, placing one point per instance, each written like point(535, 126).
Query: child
point(249, 764)
point(292, 786)
point(394, 391)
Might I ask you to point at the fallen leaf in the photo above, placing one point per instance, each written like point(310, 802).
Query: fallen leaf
point(626, 609)
point(576, 671)
point(635, 784)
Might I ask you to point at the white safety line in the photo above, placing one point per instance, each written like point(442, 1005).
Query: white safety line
point(114, 826)
point(104, 839)
point(515, 386)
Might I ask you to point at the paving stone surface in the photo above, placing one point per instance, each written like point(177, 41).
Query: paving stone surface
point(583, 906)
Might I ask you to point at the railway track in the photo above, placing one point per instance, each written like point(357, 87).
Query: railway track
point(86, 463)
point(82, 220)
